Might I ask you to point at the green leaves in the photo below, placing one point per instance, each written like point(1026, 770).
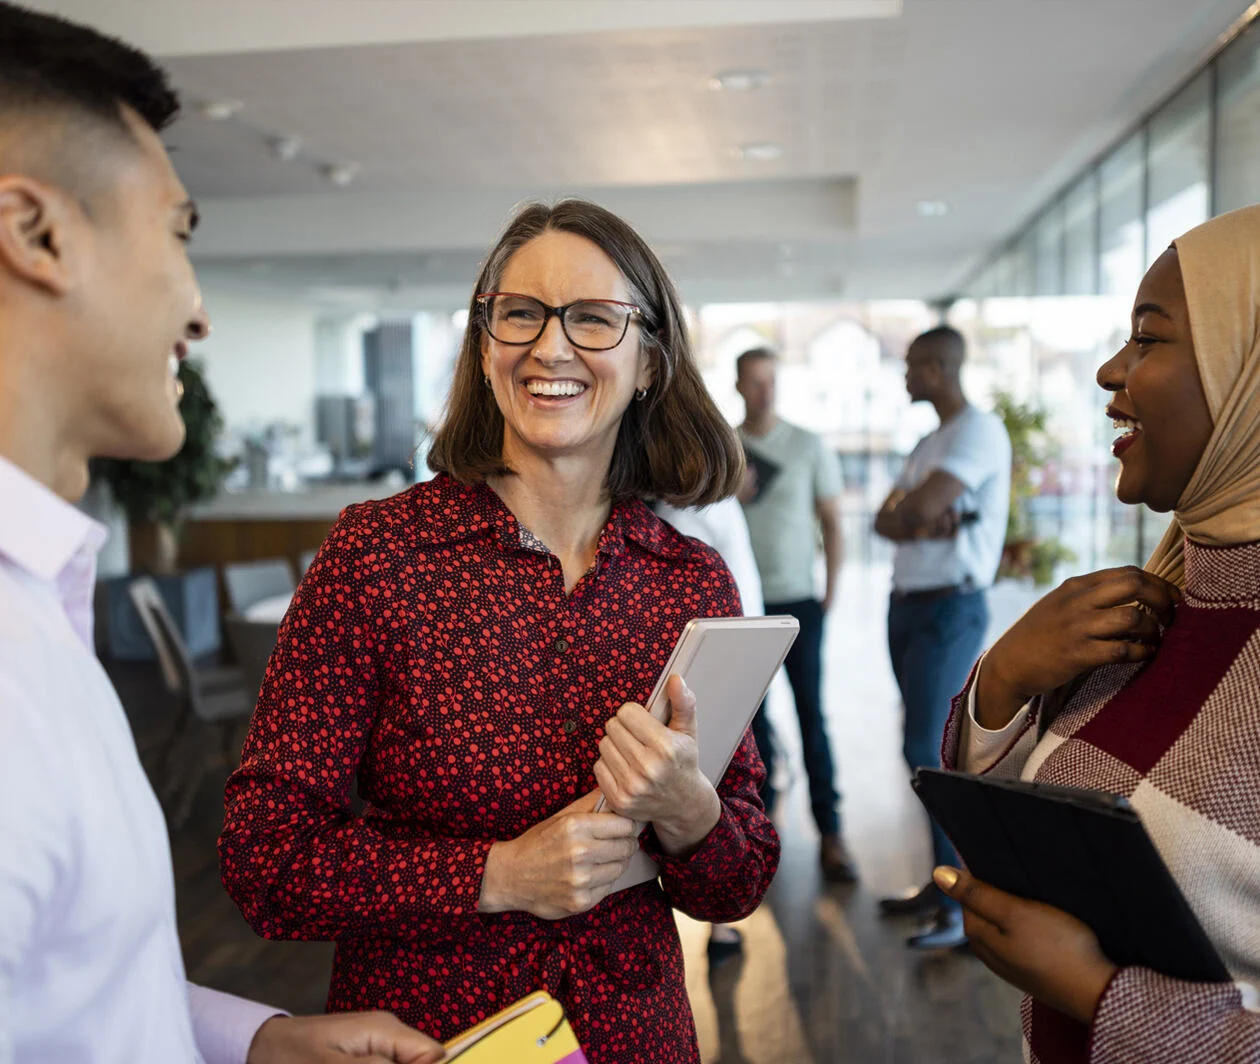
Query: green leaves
point(1026, 427)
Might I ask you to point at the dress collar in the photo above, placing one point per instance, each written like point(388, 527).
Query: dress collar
point(456, 512)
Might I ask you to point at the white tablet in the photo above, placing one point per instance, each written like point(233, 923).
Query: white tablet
point(729, 663)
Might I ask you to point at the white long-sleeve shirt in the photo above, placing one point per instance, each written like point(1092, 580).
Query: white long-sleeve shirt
point(90, 967)
point(723, 527)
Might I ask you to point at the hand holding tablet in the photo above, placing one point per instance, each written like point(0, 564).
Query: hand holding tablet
point(728, 664)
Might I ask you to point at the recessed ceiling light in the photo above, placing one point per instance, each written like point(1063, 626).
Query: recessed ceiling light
point(285, 148)
point(760, 151)
point(930, 208)
point(341, 174)
point(739, 80)
point(220, 110)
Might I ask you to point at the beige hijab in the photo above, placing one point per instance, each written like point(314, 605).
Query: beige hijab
point(1220, 265)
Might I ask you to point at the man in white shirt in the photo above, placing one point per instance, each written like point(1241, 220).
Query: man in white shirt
point(947, 515)
point(97, 301)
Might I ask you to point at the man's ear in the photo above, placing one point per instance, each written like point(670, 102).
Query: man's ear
point(35, 233)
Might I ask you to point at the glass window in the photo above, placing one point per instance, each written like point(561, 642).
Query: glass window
point(1004, 274)
point(1180, 139)
point(1123, 253)
point(1080, 237)
point(1238, 123)
point(1048, 260)
point(1024, 264)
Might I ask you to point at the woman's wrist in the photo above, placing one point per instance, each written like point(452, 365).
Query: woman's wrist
point(1090, 991)
point(493, 897)
point(681, 836)
point(997, 701)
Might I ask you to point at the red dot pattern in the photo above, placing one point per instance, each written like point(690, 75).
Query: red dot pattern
point(434, 658)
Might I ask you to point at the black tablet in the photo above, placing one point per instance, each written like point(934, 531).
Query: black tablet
point(1085, 852)
point(765, 469)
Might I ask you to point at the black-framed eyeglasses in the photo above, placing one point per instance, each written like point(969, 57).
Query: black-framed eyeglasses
point(591, 324)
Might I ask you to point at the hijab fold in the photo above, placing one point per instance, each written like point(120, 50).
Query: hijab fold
point(1220, 267)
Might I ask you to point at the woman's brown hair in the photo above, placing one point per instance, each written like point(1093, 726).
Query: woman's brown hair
point(673, 445)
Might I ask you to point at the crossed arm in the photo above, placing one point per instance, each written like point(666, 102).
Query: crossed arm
point(926, 512)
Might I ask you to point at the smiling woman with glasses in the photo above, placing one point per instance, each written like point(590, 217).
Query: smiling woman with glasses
point(476, 652)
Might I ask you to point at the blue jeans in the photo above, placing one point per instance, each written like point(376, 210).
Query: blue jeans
point(804, 673)
point(933, 643)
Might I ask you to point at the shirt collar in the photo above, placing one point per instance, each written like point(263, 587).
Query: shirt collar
point(460, 512)
point(39, 531)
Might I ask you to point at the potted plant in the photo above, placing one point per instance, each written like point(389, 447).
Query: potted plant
point(1044, 556)
point(1023, 554)
point(161, 492)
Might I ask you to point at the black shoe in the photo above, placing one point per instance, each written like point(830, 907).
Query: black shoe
point(946, 932)
point(723, 949)
point(837, 863)
point(922, 902)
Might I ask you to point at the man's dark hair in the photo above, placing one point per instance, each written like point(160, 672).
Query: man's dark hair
point(755, 354)
point(946, 337)
point(48, 62)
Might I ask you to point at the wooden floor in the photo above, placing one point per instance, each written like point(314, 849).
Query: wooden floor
point(823, 981)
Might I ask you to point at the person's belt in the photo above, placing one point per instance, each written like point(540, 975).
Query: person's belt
point(928, 594)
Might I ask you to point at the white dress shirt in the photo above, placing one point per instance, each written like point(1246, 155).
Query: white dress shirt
point(90, 967)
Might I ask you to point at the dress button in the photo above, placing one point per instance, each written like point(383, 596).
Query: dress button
point(570, 726)
point(561, 645)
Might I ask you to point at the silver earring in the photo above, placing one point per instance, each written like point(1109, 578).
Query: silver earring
point(486, 379)
point(640, 395)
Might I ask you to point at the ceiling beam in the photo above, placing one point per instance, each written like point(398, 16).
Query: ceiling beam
point(353, 222)
point(198, 27)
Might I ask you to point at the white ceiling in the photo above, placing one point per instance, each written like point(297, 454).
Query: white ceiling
point(457, 109)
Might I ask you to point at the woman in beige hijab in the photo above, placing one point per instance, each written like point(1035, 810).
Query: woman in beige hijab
point(1146, 683)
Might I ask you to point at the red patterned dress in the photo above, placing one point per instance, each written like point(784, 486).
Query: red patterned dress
point(1180, 738)
point(435, 655)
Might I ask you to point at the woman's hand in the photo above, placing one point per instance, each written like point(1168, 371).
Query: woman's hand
point(370, 1037)
point(561, 866)
point(649, 771)
point(1042, 950)
point(1102, 618)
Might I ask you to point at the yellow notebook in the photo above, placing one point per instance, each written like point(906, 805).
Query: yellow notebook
point(532, 1031)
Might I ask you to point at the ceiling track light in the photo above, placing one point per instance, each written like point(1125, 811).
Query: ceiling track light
point(932, 208)
point(286, 148)
point(220, 110)
point(340, 174)
point(760, 151)
point(745, 80)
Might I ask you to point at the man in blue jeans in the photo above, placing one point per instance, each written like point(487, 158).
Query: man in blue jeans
point(793, 492)
point(947, 514)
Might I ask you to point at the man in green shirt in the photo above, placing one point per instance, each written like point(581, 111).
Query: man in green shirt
point(794, 487)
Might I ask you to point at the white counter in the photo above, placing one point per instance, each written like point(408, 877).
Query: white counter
point(315, 504)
